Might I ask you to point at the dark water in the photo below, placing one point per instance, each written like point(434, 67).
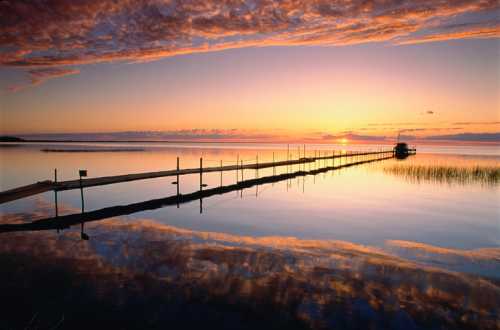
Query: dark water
point(356, 248)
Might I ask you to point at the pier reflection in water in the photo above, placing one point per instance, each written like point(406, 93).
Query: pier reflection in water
point(373, 251)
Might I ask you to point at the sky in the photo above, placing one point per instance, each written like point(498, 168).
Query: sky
point(311, 70)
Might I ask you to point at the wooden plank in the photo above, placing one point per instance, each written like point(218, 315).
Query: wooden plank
point(26, 191)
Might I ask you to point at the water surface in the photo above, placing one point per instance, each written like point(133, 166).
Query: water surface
point(355, 233)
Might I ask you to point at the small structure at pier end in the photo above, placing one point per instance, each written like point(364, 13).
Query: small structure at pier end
point(401, 150)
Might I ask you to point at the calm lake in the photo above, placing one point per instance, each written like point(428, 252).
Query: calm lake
point(356, 247)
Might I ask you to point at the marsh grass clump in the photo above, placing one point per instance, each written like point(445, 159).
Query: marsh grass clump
point(448, 174)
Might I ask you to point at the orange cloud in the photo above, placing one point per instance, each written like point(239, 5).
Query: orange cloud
point(48, 33)
point(476, 33)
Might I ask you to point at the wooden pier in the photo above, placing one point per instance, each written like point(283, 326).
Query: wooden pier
point(44, 186)
point(66, 221)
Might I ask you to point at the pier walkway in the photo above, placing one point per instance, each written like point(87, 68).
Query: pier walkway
point(48, 185)
point(66, 221)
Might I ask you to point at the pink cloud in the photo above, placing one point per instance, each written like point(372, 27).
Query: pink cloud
point(61, 33)
point(39, 76)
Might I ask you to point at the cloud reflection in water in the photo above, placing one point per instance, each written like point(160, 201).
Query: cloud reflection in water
point(132, 272)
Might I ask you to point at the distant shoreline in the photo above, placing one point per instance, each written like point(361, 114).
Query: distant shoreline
point(95, 150)
point(141, 141)
point(352, 142)
point(20, 140)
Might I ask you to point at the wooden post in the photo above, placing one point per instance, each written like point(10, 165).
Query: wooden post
point(178, 183)
point(237, 163)
point(304, 161)
point(274, 167)
point(201, 173)
point(257, 166)
point(298, 148)
point(82, 173)
point(242, 179)
point(301, 163)
point(55, 193)
point(201, 184)
point(287, 157)
point(242, 170)
point(257, 174)
point(221, 173)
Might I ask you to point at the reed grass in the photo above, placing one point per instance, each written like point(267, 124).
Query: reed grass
point(448, 174)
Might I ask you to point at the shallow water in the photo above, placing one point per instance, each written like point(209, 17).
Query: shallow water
point(357, 224)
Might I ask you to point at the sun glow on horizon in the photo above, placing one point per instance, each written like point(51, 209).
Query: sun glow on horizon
point(263, 83)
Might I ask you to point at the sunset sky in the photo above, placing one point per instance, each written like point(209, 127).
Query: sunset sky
point(258, 70)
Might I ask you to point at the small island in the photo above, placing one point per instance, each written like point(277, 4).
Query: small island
point(6, 138)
